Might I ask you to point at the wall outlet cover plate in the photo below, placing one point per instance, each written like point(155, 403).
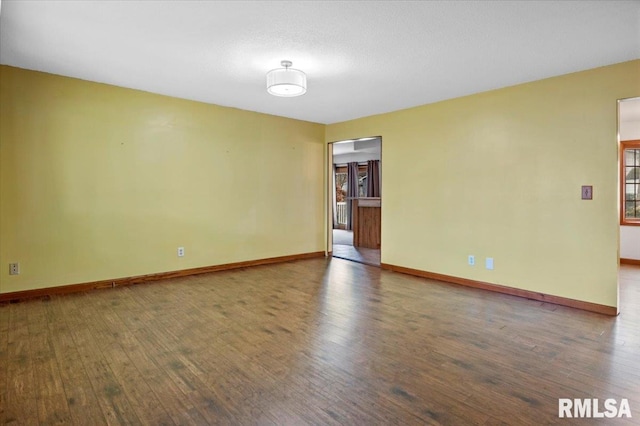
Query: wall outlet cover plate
point(489, 263)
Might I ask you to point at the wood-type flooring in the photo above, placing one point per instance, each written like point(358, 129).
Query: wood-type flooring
point(319, 341)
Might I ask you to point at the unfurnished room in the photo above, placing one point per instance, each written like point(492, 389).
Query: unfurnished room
point(322, 213)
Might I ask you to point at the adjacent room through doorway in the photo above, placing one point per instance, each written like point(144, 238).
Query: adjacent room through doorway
point(629, 133)
point(356, 200)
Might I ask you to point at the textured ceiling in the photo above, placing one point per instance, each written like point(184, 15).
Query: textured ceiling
point(630, 110)
point(361, 57)
point(371, 146)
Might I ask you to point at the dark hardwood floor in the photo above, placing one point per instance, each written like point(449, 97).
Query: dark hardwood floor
point(357, 254)
point(320, 341)
point(343, 248)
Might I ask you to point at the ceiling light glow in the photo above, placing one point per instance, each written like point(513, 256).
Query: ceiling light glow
point(286, 82)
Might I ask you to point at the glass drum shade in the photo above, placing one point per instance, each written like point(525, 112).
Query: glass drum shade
point(286, 82)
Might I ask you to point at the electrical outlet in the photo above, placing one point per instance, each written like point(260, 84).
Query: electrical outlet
point(180, 251)
point(488, 263)
point(14, 268)
point(472, 260)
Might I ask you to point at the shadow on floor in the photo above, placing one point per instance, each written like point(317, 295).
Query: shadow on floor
point(344, 249)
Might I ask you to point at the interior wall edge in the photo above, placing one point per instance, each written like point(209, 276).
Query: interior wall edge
point(497, 288)
point(141, 279)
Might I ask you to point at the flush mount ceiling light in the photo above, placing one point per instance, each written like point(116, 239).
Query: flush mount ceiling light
point(287, 81)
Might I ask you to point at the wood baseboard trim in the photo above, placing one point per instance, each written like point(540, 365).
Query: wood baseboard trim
point(542, 297)
point(624, 261)
point(140, 279)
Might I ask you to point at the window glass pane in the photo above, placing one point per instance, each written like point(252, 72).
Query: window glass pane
point(362, 184)
point(341, 187)
point(630, 182)
point(629, 157)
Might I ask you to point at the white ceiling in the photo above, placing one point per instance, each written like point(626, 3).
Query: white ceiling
point(630, 110)
point(361, 57)
point(372, 146)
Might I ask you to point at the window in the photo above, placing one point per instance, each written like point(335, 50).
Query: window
point(630, 183)
point(362, 181)
point(341, 182)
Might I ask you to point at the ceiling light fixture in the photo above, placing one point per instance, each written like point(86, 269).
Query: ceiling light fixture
point(287, 81)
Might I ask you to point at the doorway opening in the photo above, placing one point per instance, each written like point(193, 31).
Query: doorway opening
point(629, 203)
point(629, 138)
point(356, 199)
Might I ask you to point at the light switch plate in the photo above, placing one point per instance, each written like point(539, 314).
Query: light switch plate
point(587, 192)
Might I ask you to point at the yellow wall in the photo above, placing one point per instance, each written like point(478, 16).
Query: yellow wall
point(498, 174)
point(101, 182)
